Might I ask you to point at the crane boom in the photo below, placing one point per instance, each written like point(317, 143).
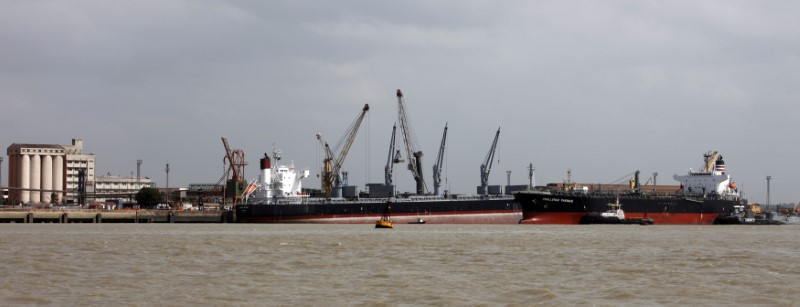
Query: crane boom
point(236, 159)
point(228, 156)
point(711, 160)
point(332, 164)
point(414, 156)
point(327, 174)
point(351, 136)
point(394, 157)
point(486, 167)
point(437, 167)
point(236, 164)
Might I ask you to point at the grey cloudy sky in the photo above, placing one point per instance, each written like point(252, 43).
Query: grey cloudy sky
point(603, 88)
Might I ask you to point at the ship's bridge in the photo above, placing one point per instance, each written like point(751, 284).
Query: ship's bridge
point(707, 183)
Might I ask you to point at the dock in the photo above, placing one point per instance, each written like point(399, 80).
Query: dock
point(113, 216)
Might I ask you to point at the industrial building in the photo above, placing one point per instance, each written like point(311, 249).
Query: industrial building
point(44, 173)
point(117, 187)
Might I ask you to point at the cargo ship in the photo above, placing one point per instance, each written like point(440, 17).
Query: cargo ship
point(707, 196)
point(277, 197)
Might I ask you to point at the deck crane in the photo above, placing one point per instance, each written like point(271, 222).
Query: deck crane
point(332, 164)
point(711, 160)
point(486, 167)
point(437, 167)
point(327, 167)
point(394, 157)
point(414, 156)
point(234, 158)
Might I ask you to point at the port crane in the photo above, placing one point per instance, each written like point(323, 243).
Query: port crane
point(437, 167)
point(486, 167)
point(394, 157)
point(235, 163)
point(410, 141)
point(332, 164)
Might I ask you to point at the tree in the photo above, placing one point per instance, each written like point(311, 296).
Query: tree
point(148, 197)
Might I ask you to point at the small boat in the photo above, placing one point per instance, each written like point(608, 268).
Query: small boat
point(614, 211)
point(614, 215)
point(418, 221)
point(385, 222)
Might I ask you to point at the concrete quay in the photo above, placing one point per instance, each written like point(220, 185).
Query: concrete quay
point(115, 216)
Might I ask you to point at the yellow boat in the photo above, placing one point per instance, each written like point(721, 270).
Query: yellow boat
point(384, 222)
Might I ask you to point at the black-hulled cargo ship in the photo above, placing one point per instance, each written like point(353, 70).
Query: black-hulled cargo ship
point(277, 198)
point(433, 210)
point(704, 197)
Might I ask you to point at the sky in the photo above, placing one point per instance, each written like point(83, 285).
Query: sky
point(601, 88)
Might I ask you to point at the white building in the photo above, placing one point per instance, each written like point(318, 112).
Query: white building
point(119, 187)
point(38, 171)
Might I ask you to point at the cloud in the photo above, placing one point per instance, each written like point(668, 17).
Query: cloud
point(603, 88)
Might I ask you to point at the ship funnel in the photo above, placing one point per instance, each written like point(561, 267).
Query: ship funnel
point(266, 172)
point(719, 165)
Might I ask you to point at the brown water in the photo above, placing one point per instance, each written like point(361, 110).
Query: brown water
point(236, 264)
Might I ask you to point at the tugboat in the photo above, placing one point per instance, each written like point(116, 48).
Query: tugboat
point(385, 222)
point(613, 215)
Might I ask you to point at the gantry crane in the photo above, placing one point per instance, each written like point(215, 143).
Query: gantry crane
point(437, 167)
point(486, 167)
point(394, 157)
point(410, 141)
point(332, 164)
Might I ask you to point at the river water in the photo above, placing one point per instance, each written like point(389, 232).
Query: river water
point(333, 265)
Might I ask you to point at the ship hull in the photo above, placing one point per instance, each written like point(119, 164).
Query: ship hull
point(569, 208)
point(443, 211)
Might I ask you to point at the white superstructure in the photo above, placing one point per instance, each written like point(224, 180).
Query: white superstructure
point(711, 180)
point(278, 182)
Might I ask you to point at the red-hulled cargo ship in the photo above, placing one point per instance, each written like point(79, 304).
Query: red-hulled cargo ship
point(704, 197)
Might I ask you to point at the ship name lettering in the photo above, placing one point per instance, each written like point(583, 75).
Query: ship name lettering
point(557, 200)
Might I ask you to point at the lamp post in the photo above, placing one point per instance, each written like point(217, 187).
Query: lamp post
point(768, 179)
point(167, 169)
point(138, 170)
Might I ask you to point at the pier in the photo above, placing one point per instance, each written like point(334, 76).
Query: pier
point(113, 216)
